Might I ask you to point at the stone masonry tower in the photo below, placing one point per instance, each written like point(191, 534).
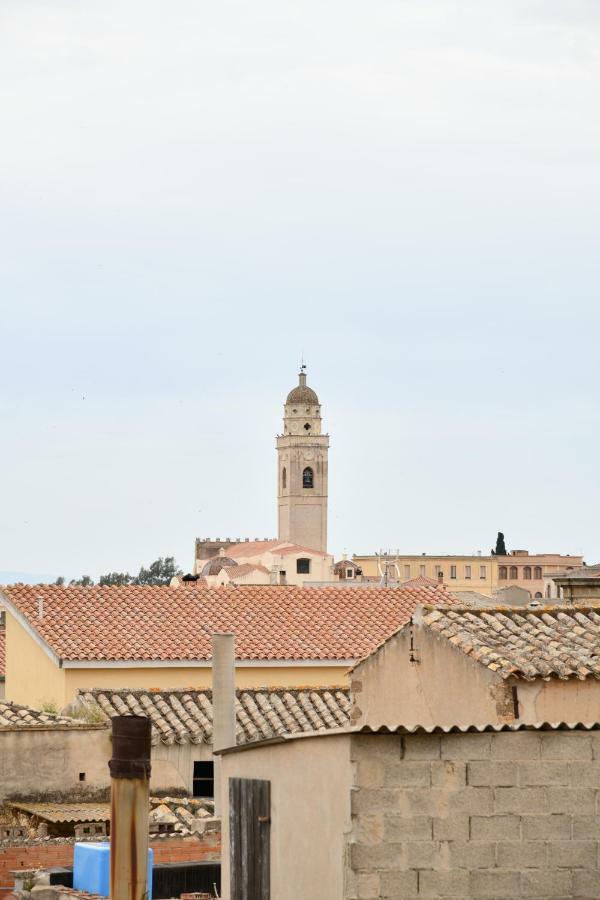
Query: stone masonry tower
point(302, 470)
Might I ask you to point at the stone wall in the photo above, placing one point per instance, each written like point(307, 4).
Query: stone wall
point(501, 815)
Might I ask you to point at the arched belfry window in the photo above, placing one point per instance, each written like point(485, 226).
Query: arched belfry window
point(307, 478)
point(284, 479)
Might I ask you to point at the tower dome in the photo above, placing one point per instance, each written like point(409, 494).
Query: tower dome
point(302, 393)
point(214, 565)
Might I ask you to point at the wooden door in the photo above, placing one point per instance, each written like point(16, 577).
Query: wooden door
point(249, 838)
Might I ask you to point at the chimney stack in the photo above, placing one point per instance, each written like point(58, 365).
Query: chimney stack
point(223, 702)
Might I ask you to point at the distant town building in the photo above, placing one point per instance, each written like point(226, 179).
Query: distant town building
point(484, 574)
point(257, 562)
point(581, 585)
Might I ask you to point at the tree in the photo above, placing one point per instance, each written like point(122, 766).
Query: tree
point(159, 572)
point(84, 581)
point(500, 546)
point(60, 580)
point(115, 578)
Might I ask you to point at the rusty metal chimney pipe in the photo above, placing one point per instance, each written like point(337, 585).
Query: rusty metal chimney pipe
point(223, 702)
point(130, 805)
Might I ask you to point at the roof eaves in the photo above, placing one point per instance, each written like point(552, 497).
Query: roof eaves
point(31, 631)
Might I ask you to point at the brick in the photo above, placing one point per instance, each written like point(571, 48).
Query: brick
point(368, 886)
point(496, 828)
point(585, 828)
point(586, 884)
point(452, 828)
point(369, 746)
point(407, 828)
point(516, 745)
point(448, 774)
point(394, 885)
point(369, 829)
point(466, 746)
point(380, 856)
point(595, 738)
point(495, 883)
point(472, 854)
point(520, 800)
point(407, 774)
point(572, 854)
point(477, 801)
point(421, 801)
point(369, 773)
point(570, 800)
point(540, 773)
point(521, 854)
point(421, 746)
point(566, 745)
point(443, 884)
point(545, 828)
point(586, 775)
point(491, 773)
point(536, 883)
point(365, 800)
point(421, 855)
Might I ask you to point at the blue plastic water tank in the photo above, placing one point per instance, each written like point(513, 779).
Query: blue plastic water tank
point(91, 868)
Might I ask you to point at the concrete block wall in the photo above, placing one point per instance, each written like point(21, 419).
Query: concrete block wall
point(501, 815)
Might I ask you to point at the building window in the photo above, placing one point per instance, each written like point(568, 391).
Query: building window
point(307, 427)
point(527, 573)
point(482, 572)
point(513, 572)
point(548, 591)
point(502, 573)
point(349, 573)
point(204, 779)
point(537, 573)
point(407, 571)
point(303, 566)
point(452, 571)
point(438, 571)
point(307, 478)
point(467, 571)
point(538, 595)
point(282, 576)
point(284, 479)
point(422, 571)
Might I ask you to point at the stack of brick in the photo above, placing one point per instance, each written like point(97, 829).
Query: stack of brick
point(476, 815)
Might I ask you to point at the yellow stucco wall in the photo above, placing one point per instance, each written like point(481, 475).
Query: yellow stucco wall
point(32, 677)
point(190, 678)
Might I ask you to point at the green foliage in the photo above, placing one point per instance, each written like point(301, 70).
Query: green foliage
point(114, 578)
point(84, 581)
point(500, 546)
point(60, 580)
point(159, 572)
point(49, 707)
point(91, 713)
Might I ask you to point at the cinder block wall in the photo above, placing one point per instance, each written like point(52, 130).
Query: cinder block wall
point(514, 814)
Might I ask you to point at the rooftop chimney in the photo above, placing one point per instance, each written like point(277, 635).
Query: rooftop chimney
point(40, 601)
point(223, 701)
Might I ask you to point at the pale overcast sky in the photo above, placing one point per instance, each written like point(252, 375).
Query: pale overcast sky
point(192, 194)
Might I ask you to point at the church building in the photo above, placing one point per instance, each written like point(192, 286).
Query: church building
point(299, 553)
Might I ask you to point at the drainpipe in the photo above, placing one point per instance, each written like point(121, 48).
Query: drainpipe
point(223, 701)
point(130, 805)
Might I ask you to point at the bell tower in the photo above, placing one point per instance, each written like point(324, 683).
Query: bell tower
point(302, 470)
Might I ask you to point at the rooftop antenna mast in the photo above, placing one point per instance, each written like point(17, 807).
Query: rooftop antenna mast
point(389, 569)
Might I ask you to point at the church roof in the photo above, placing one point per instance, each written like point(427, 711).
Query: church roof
point(213, 566)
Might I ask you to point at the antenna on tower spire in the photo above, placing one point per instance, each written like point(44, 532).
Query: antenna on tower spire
point(302, 363)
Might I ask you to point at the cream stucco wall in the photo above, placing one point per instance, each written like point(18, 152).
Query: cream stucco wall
point(310, 813)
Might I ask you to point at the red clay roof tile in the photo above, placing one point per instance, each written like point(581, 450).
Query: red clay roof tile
point(270, 622)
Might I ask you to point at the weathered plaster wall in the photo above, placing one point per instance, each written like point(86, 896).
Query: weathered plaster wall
point(38, 760)
point(310, 813)
point(443, 687)
point(476, 815)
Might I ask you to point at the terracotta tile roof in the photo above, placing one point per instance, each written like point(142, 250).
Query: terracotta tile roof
point(251, 548)
point(181, 717)
point(12, 714)
point(561, 642)
point(2, 652)
point(245, 569)
point(271, 622)
point(421, 581)
point(297, 548)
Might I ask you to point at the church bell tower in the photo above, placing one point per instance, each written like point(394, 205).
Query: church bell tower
point(302, 470)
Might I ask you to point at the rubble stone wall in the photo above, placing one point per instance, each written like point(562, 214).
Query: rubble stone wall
point(501, 815)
